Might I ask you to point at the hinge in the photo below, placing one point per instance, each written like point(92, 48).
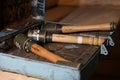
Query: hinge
point(104, 50)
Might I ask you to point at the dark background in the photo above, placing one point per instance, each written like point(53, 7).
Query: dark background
point(109, 68)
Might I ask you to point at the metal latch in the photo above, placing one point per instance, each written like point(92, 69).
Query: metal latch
point(110, 41)
point(104, 50)
point(111, 32)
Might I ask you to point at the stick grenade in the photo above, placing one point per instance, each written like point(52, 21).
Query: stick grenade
point(28, 45)
point(57, 28)
point(44, 37)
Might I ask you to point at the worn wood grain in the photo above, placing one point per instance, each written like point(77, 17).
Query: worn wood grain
point(57, 13)
point(89, 2)
point(69, 2)
point(51, 3)
point(100, 2)
point(93, 15)
point(13, 76)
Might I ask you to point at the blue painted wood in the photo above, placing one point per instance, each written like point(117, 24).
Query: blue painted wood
point(39, 69)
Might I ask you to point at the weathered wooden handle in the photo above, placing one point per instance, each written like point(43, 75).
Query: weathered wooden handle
point(42, 52)
point(38, 50)
point(27, 44)
point(77, 39)
point(100, 27)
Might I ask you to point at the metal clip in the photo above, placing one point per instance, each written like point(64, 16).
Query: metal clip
point(104, 50)
point(110, 41)
point(111, 32)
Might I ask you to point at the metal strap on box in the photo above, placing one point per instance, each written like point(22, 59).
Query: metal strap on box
point(110, 42)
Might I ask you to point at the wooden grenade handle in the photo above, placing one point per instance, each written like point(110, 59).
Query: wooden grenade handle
point(77, 39)
point(40, 51)
point(100, 27)
point(27, 44)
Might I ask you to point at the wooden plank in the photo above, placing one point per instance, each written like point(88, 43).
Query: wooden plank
point(69, 2)
point(57, 13)
point(51, 3)
point(100, 2)
point(37, 69)
point(93, 15)
point(13, 76)
point(72, 52)
point(89, 2)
